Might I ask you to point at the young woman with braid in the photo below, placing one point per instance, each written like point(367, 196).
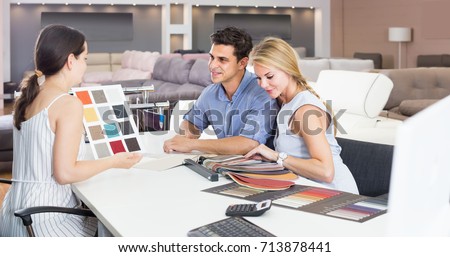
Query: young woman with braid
point(305, 141)
point(48, 140)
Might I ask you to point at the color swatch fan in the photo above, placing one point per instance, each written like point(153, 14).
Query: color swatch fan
point(108, 120)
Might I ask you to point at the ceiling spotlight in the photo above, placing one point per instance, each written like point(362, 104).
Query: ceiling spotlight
point(256, 6)
point(18, 3)
point(134, 4)
point(89, 4)
point(275, 6)
point(217, 5)
point(312, 7)
point(293, 7)
point(67, 3)
point(197, 5)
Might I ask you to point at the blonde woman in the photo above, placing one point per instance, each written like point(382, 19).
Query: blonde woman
point(305, 141)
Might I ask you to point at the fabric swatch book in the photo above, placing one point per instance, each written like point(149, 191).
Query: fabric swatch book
point(251, 173)
point(238, 163)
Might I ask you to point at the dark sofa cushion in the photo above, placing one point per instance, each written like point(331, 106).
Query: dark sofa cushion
point(200, 74)
point(370, 165)
point(429, 60)
point(411, 107)
point(446, 60)
point(175, 70)
point(377, 58)
point(161, 67)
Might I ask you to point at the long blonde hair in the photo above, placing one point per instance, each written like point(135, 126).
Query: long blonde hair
point(277, 53)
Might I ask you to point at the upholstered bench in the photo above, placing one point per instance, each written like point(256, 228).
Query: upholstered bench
point(6, 137)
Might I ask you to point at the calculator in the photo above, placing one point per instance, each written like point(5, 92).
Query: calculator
point(255, 209)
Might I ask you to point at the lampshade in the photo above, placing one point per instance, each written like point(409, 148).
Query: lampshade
point(399, 34)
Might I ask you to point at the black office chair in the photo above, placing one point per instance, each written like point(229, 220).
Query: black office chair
point(370, 165)
point(25, 214)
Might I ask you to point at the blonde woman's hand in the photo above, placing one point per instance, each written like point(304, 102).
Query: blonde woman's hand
point(262, 152)
point(126, 160)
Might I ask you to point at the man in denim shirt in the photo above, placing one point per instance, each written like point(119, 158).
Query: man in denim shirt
point(241, 113)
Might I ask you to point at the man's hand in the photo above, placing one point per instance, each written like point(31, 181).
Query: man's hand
point(180, 144)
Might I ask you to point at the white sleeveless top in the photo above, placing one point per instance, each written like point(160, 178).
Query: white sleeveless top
point(294, 145)
point(34, 184)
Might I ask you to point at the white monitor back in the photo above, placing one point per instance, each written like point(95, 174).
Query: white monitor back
point(419, 195)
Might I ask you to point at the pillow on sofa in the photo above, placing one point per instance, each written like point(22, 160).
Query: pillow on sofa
point(200, 74)
point(175, 70)
point(161, 66)
point(139, 60)
point(411, 107)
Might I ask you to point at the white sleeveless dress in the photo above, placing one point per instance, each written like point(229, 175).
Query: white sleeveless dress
point(294, 145)
point(34, 184)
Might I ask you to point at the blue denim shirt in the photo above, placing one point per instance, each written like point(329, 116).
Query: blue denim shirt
point(250, 113)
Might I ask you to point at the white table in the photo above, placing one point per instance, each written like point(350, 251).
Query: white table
point(170, 203)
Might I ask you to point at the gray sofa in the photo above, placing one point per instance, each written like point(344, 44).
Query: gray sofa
point(174, 78)
point(415, 89)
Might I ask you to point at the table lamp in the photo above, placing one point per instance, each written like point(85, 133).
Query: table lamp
point(399, 34)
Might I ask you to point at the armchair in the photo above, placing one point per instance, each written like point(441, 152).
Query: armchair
point(25, 214)
point(357, 99)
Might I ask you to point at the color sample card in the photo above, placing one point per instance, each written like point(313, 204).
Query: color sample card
point(360, 210)
point(308, 196)
point(108, 120)
point(323, 201)
point(241, 191)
